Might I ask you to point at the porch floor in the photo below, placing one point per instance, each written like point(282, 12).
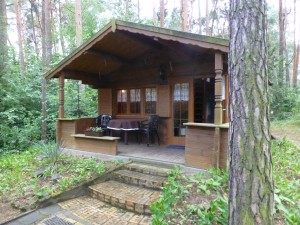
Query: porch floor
point(153, 152)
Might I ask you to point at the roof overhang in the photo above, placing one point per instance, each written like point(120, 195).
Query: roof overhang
point(122, 44)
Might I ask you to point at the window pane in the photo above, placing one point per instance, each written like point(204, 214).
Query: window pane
point(150, 104)
point(122, 101)
point(180, 107)
point(135, 101)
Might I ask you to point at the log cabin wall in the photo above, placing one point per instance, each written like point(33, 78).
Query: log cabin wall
point(149, 77)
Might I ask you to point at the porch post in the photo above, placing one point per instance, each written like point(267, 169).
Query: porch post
point(61, 110)
point(218, 107)
point(218, 88)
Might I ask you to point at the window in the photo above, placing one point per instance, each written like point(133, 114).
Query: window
point(135, 100)
point(122, 101)
point(150, 101)
point(180, 107)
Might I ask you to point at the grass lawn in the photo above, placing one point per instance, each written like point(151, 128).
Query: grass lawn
point(41, 172)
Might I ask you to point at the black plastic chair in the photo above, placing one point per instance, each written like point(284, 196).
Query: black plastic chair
point(102, 121)
point(150, 129)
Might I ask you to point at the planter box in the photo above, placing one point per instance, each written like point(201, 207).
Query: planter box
point(93, 133)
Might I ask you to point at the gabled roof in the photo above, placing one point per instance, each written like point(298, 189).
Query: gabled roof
point(120, 44)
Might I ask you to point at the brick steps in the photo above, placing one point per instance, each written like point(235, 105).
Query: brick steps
point(125, 199)
point(97, 212)
point(140, 179)
point(148, 169)
point(133, 198)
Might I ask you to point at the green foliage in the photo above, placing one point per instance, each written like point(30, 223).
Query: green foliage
point(19, 178)
point(287, 181)
point(52, 151)
point(173, 206)
point(285, 103)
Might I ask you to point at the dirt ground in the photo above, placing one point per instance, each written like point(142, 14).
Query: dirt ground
point(291, 132)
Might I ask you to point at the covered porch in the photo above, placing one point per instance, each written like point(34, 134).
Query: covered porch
point(141, 70)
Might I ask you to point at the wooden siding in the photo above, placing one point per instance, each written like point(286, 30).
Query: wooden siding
point(163, 107)
point(66, 134)
point(201, 144)
point(105, 101)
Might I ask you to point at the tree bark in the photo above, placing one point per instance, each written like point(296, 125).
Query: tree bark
point(251, 197)
point(78, 22)
point(199, 17)
point(162, 13)
point(3, 34)
point(296, 48)
point(207, 19)
point(184, 15)
point(20, 35)
point(282, 44)
point(61, 37)
point(154, 13)
point(46, 58)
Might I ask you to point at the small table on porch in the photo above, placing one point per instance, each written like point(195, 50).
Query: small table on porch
point(124, 125)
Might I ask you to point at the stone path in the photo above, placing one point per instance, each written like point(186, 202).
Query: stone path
point(125, 199)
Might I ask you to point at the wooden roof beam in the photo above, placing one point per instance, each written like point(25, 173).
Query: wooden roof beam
point(148, 42)
point(86, 78)
point(102, 54)
point(174, 47)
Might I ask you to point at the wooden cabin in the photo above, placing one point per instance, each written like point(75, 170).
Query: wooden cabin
point(141, 70)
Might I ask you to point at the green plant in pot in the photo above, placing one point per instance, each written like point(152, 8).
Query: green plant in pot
point(94, 131)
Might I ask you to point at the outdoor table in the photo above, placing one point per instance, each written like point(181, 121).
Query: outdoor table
point(124, 125)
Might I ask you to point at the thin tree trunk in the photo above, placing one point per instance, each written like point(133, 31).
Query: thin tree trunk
point(184, 15)
point(46, 58)
point(126, 8)
point(251, 195)
point(20, 40)
point(78, 22)
point(138, 8)
point(296, 49)
point(154, 13)
point(199, 17)
point(34, 31)
point(281, 23)
point(162, 13)
point(3, 34)
point(207, 19)
point(61, 37)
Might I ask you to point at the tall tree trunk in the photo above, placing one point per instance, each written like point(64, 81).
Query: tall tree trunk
point(207, 19)
point(184, 15)
point(154, 13)
point(46, 57)
point(78, 22)
point(282, 44)
point(251, 196)
point(138, 8)
point(61, 37)
point(126, 8)
point(33, 31)
point(199, 17)
point(20, 40)
point(162, 13)
point(3, 34)
point(296, 48)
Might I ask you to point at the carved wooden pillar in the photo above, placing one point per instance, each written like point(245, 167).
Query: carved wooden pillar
point(61, 110)
point(218, 88)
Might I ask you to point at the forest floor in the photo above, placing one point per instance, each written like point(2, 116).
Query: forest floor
point(289, 130)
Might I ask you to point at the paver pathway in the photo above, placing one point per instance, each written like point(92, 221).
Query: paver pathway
point(125, 199)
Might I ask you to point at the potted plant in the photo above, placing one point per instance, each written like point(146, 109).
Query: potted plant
point(94, 131)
